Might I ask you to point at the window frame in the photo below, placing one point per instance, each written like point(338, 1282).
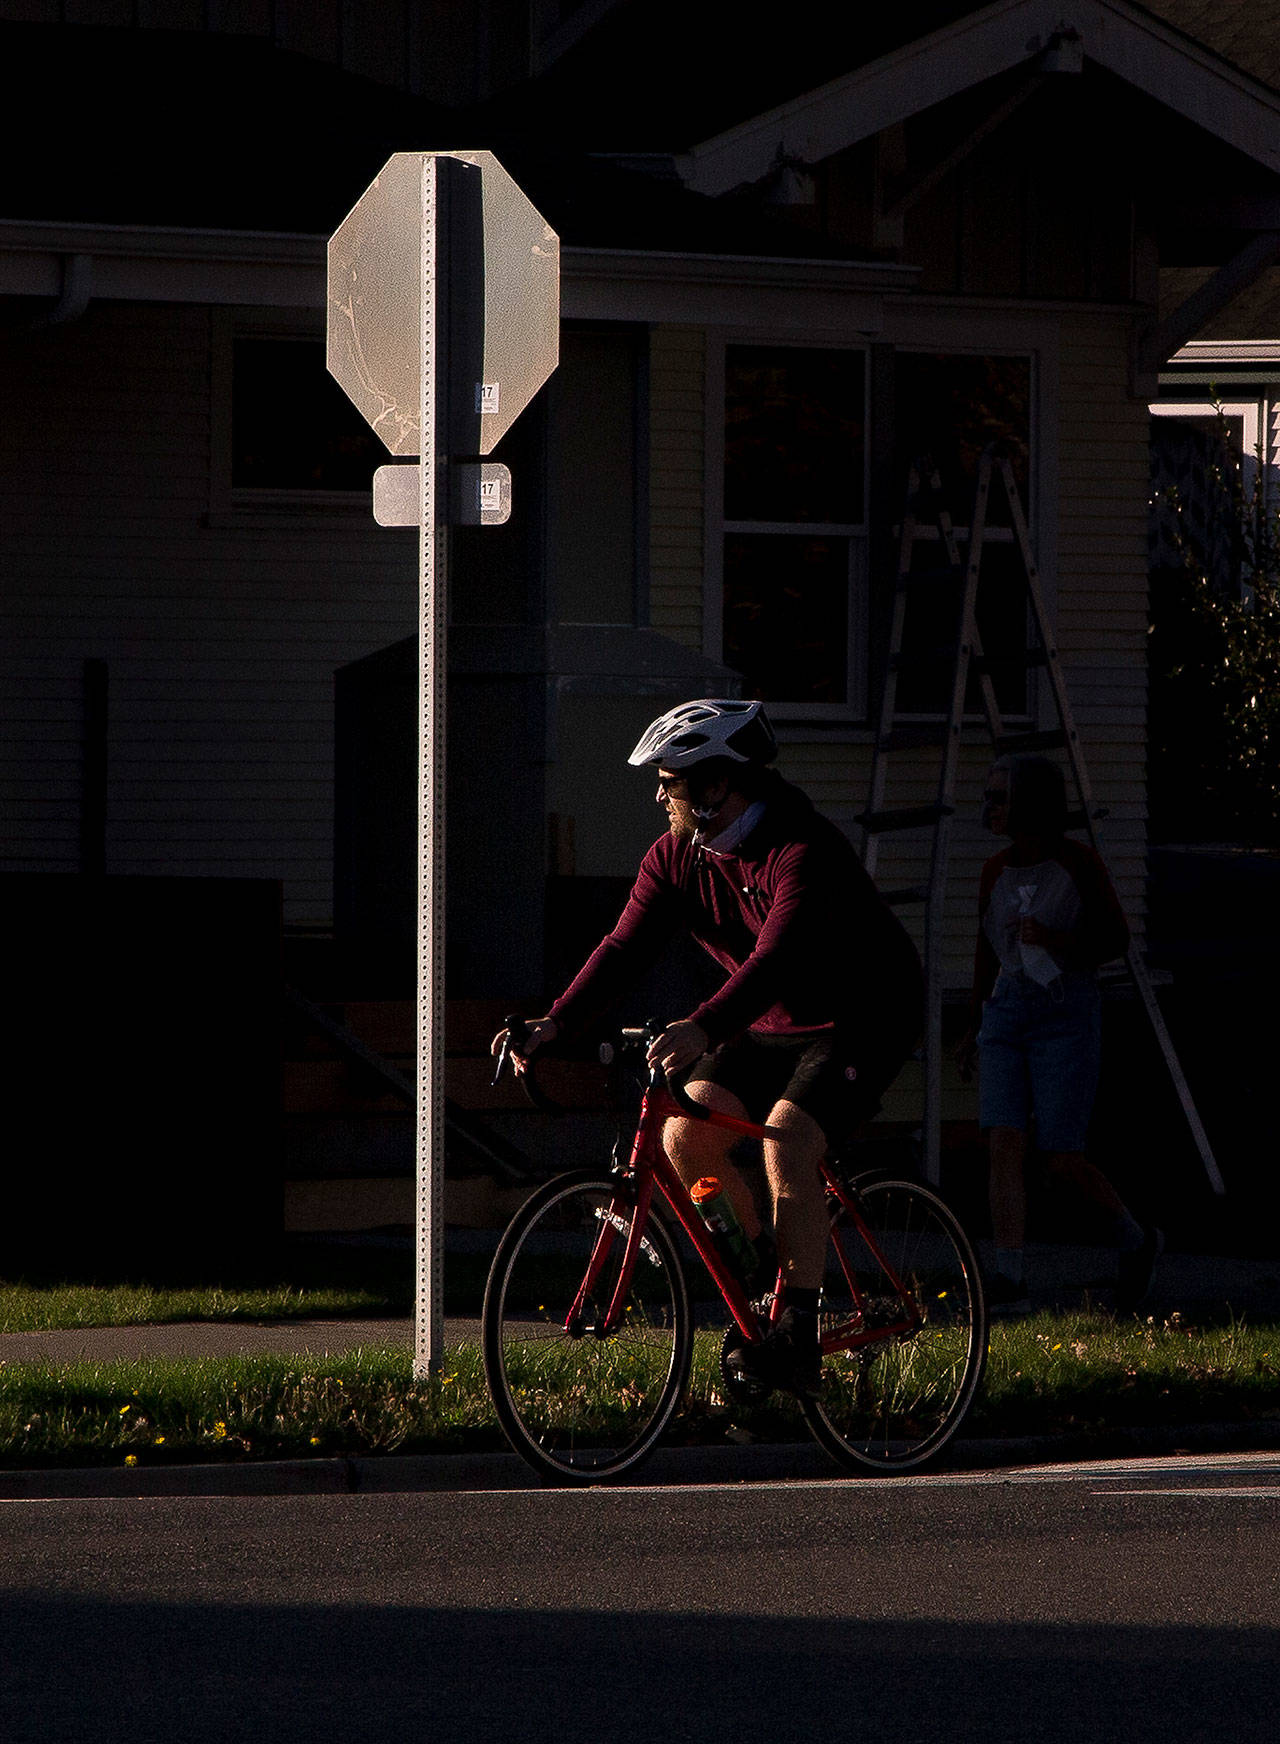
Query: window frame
point(718, 529)
point(232, 505)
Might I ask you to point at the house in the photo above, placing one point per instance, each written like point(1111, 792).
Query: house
point(787, 268)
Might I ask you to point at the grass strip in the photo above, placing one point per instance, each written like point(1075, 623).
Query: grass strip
point(1071, 1375)
point(72, 1307)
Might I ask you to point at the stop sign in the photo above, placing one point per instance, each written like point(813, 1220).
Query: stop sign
point(510, 269)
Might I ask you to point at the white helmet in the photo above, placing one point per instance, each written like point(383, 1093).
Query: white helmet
point(714, 726)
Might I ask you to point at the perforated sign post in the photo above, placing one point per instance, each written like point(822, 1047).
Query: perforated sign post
point(444, 317)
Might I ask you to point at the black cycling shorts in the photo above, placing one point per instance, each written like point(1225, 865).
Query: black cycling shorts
point(836, 1077)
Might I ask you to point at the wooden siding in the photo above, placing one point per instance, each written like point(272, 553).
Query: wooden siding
point(1103, 480)
point(677, 466)
point(221, 631)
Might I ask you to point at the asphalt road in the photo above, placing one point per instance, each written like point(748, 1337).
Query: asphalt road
point(1134, 1601)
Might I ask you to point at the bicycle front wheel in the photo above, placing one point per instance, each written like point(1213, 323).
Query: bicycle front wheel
point(903, 1326)
point(579, 1398)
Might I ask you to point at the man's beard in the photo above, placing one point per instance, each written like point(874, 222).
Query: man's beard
point(682, 823)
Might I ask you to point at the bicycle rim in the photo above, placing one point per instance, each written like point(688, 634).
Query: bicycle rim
point(576, 1401)
point(894, 1403)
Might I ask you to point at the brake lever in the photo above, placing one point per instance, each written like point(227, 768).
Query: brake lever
point(516, 1031)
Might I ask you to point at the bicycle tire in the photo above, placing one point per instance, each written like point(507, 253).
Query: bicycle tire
point(894, 1404)
point(576, 1406)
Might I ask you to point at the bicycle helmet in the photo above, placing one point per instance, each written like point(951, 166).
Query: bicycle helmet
point(714, 726)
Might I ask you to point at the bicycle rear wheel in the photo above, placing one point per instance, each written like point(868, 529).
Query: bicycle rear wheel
point(576, 1402)
point(892, 1402)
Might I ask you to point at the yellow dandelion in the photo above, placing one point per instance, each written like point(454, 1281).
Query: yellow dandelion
point(131, 1459)
point(159, 1441)
point(125, 1408)
point(315, 1441)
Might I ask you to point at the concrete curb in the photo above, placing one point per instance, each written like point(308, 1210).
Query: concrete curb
point(724, 1464)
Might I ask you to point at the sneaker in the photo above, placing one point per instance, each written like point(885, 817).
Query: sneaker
point(1134, 1270)
point(1007, 1298)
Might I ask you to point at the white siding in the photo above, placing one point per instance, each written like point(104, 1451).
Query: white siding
point(677, 464)
point(221, 631)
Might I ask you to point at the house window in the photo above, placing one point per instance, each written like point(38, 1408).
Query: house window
point(1209, 461)
point(794, 526)
point(292, 428)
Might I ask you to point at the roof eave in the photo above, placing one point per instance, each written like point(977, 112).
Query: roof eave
point(1127, 41)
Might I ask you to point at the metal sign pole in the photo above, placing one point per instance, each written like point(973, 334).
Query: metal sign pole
point(432, 630)
point(444, 321)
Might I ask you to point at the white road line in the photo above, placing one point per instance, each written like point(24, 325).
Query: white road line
point(1227, 1491)
point(1253, 1464)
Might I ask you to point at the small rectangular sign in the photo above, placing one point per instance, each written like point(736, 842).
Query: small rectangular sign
point(479, 495)
point(487, 399)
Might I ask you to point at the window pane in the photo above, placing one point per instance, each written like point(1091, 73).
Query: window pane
point(930, 627)
point(292, 427)
point(794, 437)
point(786, 616)
point(950, 407)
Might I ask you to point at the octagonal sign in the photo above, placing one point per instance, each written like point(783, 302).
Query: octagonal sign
point(375, 301)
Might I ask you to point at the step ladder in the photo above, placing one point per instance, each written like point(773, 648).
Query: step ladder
point(955, 578)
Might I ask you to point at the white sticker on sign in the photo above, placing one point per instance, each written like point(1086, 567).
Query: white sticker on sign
point(486, 396)
point(490, 496)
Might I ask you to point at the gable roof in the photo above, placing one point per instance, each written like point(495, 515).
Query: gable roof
point(1246, 35)
point(1147, 52)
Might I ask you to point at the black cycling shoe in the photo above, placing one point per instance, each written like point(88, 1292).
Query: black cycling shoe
point(788, 1357)
point(795, 1353)
point(747, 1377)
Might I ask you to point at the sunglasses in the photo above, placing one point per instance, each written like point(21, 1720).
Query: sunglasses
point(669, 783)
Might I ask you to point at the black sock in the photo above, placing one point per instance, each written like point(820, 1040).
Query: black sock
point(805, 1300)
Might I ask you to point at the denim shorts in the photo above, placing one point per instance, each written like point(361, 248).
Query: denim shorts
point(1039, 1051)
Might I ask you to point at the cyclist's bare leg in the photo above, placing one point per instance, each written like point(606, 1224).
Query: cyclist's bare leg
point(799, 1198)
point(697, 1149)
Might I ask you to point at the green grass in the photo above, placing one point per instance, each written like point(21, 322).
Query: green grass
point(1078, 1375)
point(32, 1308)
point(377, 1286)
point(1087, 1373)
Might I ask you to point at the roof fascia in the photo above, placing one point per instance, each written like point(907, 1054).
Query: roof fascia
point(261, 270)
point(1128, 42)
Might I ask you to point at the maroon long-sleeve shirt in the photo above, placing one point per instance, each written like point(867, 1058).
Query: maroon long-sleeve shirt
point(806, 939)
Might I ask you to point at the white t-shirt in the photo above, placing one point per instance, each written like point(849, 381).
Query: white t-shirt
point(1047, 892)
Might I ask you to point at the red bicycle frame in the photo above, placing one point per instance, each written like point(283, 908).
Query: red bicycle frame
point(649, 1166)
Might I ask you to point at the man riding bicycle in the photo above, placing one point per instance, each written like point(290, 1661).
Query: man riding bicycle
point(820, 1006)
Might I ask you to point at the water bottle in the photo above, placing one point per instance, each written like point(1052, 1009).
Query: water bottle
point(1036, 961)
point(721, 1219)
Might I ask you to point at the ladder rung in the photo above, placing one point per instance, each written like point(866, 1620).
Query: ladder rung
point(909, 893)
point(1009, 744)
point(1002, 662)
point(915, 737)
point(922, 657)
point(875, 823)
